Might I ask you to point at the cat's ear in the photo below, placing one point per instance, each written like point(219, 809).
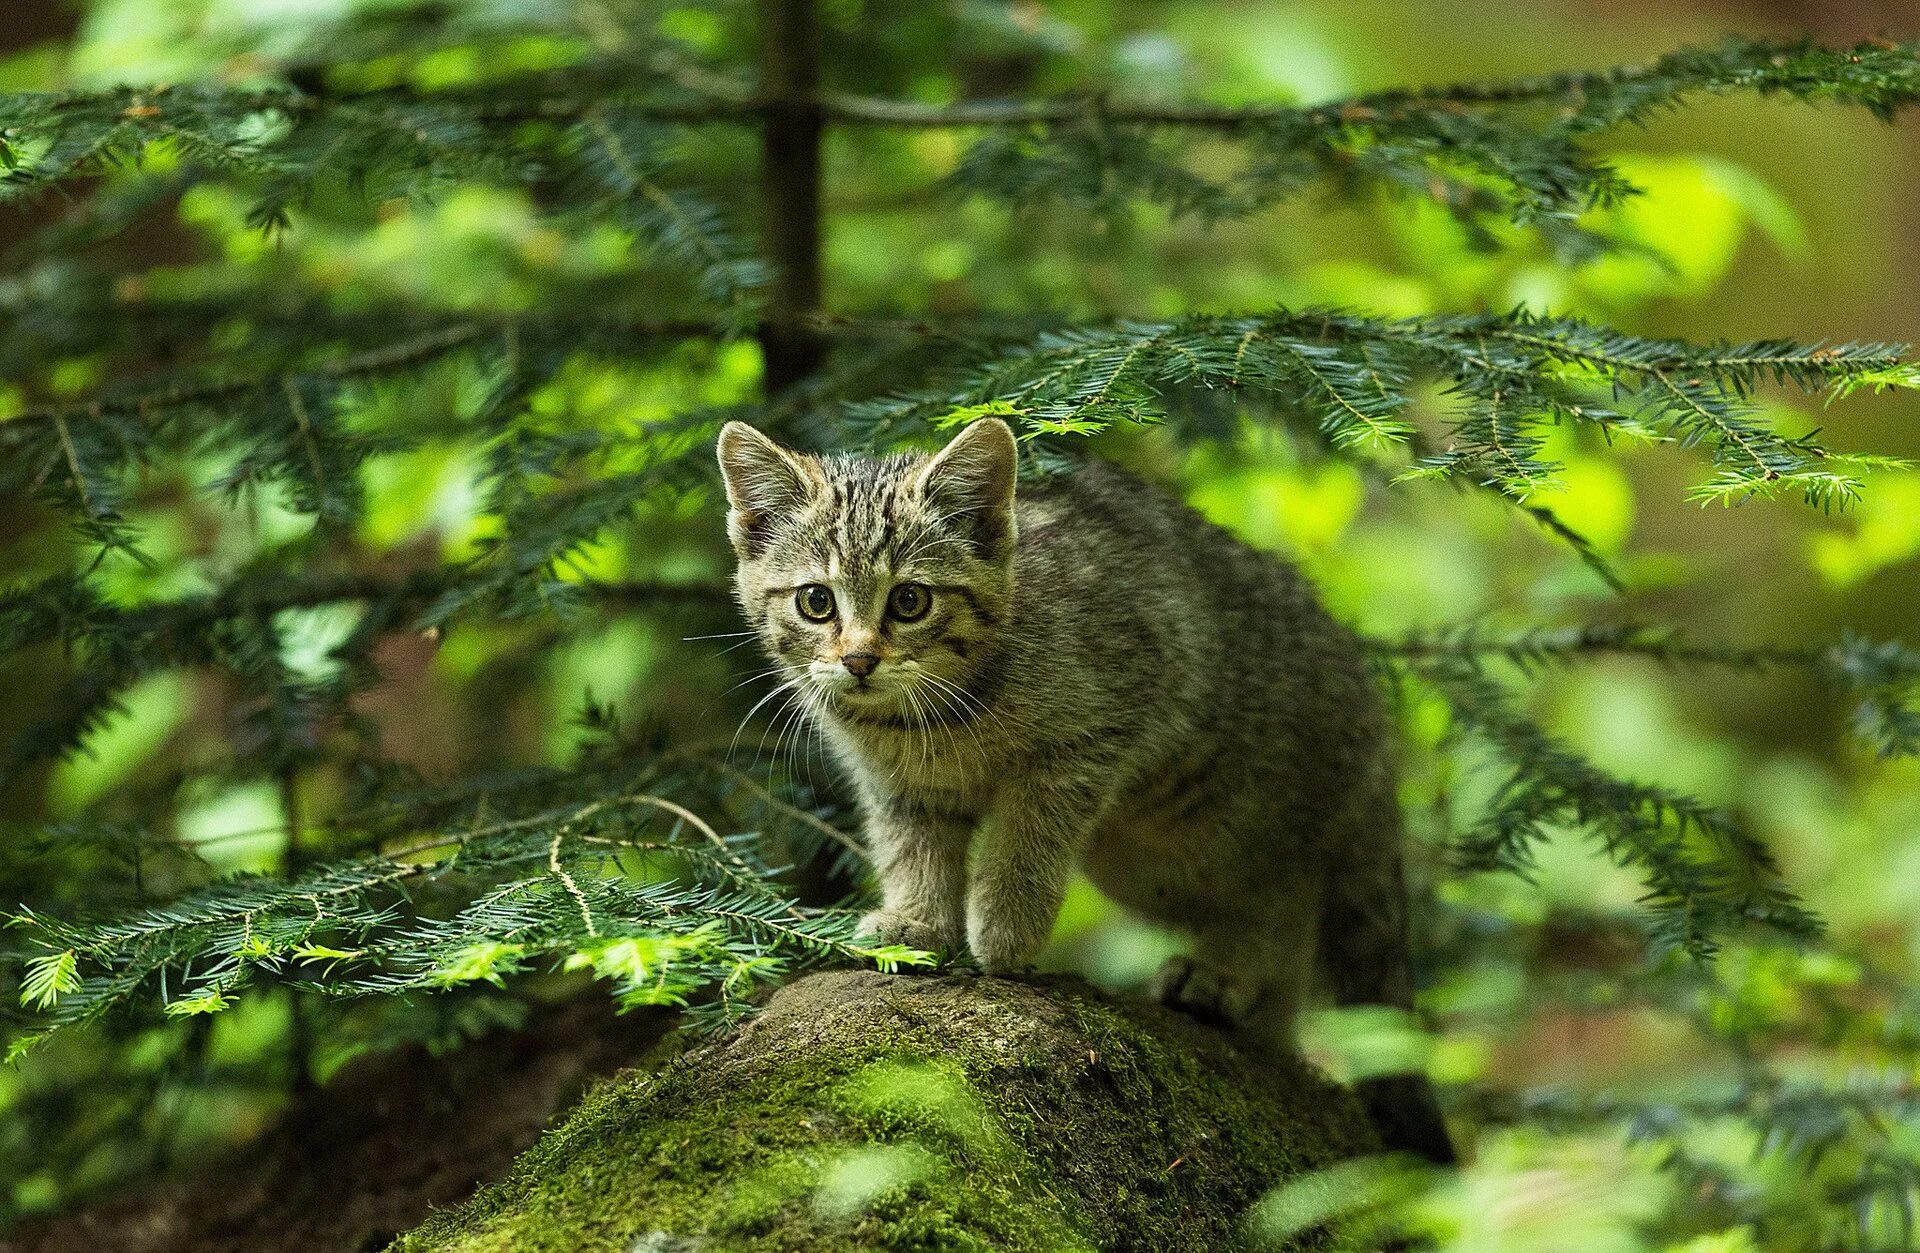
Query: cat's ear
point(764, 482)
point(971, 481)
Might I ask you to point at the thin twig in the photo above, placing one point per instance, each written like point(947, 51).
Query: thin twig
point(790, 810)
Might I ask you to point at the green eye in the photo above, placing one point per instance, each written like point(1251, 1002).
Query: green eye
point(910, 601)
point(815, 602)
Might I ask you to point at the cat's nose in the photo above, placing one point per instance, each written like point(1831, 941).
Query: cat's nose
point(860, 665)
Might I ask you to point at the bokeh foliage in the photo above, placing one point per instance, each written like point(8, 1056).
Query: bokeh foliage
point(354, 433)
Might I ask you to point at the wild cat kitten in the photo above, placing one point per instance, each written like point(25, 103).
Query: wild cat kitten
point(1088, 672)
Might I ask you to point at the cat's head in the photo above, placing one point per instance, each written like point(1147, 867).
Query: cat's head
point(878, 585)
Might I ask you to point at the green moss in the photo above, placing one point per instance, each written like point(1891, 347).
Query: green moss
point(866, 1111)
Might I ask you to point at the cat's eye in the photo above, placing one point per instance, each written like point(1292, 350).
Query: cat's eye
point(815, 602)
point(910, 601)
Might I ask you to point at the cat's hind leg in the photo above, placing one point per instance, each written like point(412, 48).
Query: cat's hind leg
point(1208, 992)
point(1252, 976)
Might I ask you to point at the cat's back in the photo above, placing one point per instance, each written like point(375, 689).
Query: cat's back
point(1129, 602)
point(1107, 537)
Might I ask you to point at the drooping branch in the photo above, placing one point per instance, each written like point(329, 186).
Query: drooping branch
point(1513, 375)
point(1705, 873)
point(1483, 150)
point(1883, 676)
point(528, 867)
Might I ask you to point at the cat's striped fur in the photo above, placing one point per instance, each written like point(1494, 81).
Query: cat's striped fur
point(1097, 676)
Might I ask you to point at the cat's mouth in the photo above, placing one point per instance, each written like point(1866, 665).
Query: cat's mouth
point(865, 698)
point(894, 689)
point(863, 692)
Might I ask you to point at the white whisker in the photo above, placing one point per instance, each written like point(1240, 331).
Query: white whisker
point(784, 687)
point(926, 741)
point(935, 690)
point(782, 721)
point(981, 711)
point(802, 728)
point(768, 673)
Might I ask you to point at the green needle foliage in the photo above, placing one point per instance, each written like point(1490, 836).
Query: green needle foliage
point(1486, 152)
point(665, 862)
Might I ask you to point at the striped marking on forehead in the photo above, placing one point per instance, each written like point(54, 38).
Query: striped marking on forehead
point(864, 506)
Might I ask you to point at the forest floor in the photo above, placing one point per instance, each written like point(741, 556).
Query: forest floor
point(368, 1154)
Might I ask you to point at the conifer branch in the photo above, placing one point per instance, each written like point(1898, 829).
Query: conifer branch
point(1883, 676)
point(1583, 548)
point(1878, 74)
point(1796, 1122)
point(1494, 149)
point(117, 645)
point(1704, 874)
point(1513, 376)
point(158, 400)
point(337, 928)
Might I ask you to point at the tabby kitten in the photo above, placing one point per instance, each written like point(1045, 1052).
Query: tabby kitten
point(1085, 672)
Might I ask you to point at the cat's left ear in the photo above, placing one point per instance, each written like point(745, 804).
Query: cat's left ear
point(972, 482)
point(764, 482)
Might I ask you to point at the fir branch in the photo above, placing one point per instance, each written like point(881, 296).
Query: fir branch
point(1534, 649)
point(679, 226)
point(1515, 150)
point(1704, 875)
point(1878, 75)
point(152, 400)
point(282, 426)
point(1583, 548)
point(157, 400)
point(1512, 376)
point(1495, 149)
point(71, 610)
point(284, 146)
point(1802, 1123)
point(1883, 676)
point(119, 645)
point(337, 929)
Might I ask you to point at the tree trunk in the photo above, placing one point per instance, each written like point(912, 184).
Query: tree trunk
point(790, 188)
point(870, 1111)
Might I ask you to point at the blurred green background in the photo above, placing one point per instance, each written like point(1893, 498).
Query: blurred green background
point(1774, 219)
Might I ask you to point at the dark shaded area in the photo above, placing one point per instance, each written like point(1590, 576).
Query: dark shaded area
point(365, 1156)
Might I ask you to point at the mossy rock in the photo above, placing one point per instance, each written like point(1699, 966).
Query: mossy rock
point(871, 1111)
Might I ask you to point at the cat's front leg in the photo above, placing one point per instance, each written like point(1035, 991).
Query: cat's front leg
point(1027, 852)
point(920, 854)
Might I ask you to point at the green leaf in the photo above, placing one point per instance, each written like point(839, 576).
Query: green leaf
point(645, 968)
point(489, 960)
point(210, 1001)
point(50, 977)
point(891, 957)
point(971, 413)
point(321, 952)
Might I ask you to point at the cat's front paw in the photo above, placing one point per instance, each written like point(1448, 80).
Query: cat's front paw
point(1004, 951)
point(887, 926)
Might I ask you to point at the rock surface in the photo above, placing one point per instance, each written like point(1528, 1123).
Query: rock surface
point(872, 1111)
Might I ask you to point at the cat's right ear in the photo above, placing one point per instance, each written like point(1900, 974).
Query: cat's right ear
point(972, 481)
point(764, 482)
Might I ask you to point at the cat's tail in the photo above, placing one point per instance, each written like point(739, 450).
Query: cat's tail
point(1405, 1110)
point(1365, 954)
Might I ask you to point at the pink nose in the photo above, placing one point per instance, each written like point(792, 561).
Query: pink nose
point(860, 665)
